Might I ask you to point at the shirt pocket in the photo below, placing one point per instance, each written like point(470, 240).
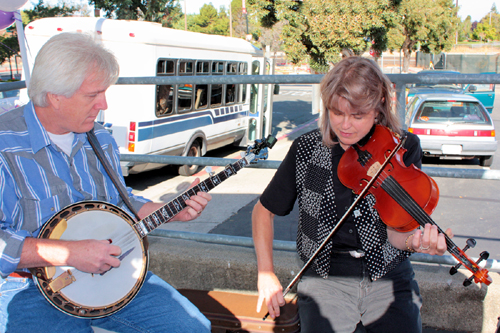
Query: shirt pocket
point(37, 212)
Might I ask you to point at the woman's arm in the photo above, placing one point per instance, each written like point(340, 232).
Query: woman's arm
point(270, 289)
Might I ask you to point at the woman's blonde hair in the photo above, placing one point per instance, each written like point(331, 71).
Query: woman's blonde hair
point(363, 85)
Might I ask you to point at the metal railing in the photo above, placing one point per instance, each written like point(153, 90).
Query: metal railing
point(400, 81)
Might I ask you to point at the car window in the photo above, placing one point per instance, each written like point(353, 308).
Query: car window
point(410, 109)
point(485, 87)
point(10, 93)
point(451, 112)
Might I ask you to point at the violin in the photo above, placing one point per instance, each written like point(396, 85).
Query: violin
point(405, 196)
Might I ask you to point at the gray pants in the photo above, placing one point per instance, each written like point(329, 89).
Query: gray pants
point(346, 304)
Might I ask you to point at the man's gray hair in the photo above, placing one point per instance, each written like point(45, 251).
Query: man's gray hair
point(65, 61)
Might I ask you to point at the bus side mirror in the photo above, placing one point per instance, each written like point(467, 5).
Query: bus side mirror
point(472, 88)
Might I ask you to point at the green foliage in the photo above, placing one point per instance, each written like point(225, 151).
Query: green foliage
point(484, 32)
point(41, 10)
point(162, 11)
point(430, 25)
point(465, 29)
point(319, 30)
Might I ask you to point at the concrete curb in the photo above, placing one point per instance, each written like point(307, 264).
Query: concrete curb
point(188, 264)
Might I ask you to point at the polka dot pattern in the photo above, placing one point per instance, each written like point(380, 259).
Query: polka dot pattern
point(317, 214)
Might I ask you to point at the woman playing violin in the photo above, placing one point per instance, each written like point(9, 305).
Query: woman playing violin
point(362, 277)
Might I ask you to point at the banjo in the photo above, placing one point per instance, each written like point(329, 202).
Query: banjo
point(87, 295)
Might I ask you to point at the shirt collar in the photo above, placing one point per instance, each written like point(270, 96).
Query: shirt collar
point(38, 135)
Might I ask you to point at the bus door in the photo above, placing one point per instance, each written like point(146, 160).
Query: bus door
point(258, 102)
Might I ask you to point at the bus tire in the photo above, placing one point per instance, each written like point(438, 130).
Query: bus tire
point(194, 151)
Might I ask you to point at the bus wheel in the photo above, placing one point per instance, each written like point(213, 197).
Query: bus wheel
point(194, 151)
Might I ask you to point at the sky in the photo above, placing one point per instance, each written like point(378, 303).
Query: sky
point(477, 9)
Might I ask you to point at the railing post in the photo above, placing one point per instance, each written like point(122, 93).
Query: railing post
point(401, 102)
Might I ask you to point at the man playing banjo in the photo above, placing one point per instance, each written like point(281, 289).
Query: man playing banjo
point(46, 164)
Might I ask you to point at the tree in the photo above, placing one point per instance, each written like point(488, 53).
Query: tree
point(319, 30)
point(208, 21)
point(492, 19)
point(465, 29)
point(147, 10)
point(484, 32)
point(40, 10)
point(430, 25)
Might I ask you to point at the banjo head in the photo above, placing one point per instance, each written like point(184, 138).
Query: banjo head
point(88, 295)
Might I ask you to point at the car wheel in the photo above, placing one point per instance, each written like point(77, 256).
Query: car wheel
point(194, 151)
point(486, 161)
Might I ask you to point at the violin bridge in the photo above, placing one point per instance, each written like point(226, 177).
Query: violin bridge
point(372, 171)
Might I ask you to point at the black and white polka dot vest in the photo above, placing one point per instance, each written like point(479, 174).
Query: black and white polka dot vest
point(317, 213)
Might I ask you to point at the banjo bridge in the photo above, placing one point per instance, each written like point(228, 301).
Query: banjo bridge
point(63, 280)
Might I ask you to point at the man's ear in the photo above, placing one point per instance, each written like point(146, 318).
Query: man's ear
point(54, 100)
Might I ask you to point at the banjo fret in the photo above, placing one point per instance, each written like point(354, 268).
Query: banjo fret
point(176, 205)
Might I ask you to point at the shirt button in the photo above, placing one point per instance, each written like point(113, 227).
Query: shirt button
point(346, 207)
point(351, 231)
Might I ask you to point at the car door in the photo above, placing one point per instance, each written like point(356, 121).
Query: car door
point(485, 93)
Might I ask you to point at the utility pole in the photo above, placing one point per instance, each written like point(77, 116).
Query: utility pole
point(185, 15)
point(230, 21)
point(244, 11)
point(456, 32)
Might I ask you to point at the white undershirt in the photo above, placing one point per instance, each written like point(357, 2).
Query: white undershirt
point(63, 141)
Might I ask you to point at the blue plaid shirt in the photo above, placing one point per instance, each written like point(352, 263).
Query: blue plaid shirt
point(37, 179)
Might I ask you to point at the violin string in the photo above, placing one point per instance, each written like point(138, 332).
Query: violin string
point(418, 213)
point(399, 194)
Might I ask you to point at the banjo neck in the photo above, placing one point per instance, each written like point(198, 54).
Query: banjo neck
point(175, 206)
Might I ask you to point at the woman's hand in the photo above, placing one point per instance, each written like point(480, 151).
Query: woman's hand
point(271, 292)
point(429, 240)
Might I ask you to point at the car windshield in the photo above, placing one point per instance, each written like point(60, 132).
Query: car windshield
point(451, 112)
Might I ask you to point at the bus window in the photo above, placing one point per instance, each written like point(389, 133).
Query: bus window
point(254, 88)
point(201, 100)
point(218, 67)
point(216, 89)
point(242, 93)
point(164, 93)
point(186, 67)
point(202, 67)
point(231, 69)
point(216, 95)
point(201, 90)
point(185, 91)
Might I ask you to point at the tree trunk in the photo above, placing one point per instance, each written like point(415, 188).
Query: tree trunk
point(407, 46)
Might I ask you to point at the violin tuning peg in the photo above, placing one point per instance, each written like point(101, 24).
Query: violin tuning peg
point(483, 256)
point(468, 282)
point(454, 270)
point(470, 244)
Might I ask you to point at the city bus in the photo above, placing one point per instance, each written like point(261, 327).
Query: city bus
point(174, 119)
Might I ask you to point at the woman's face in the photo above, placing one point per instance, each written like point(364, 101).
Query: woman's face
point(350, 125)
